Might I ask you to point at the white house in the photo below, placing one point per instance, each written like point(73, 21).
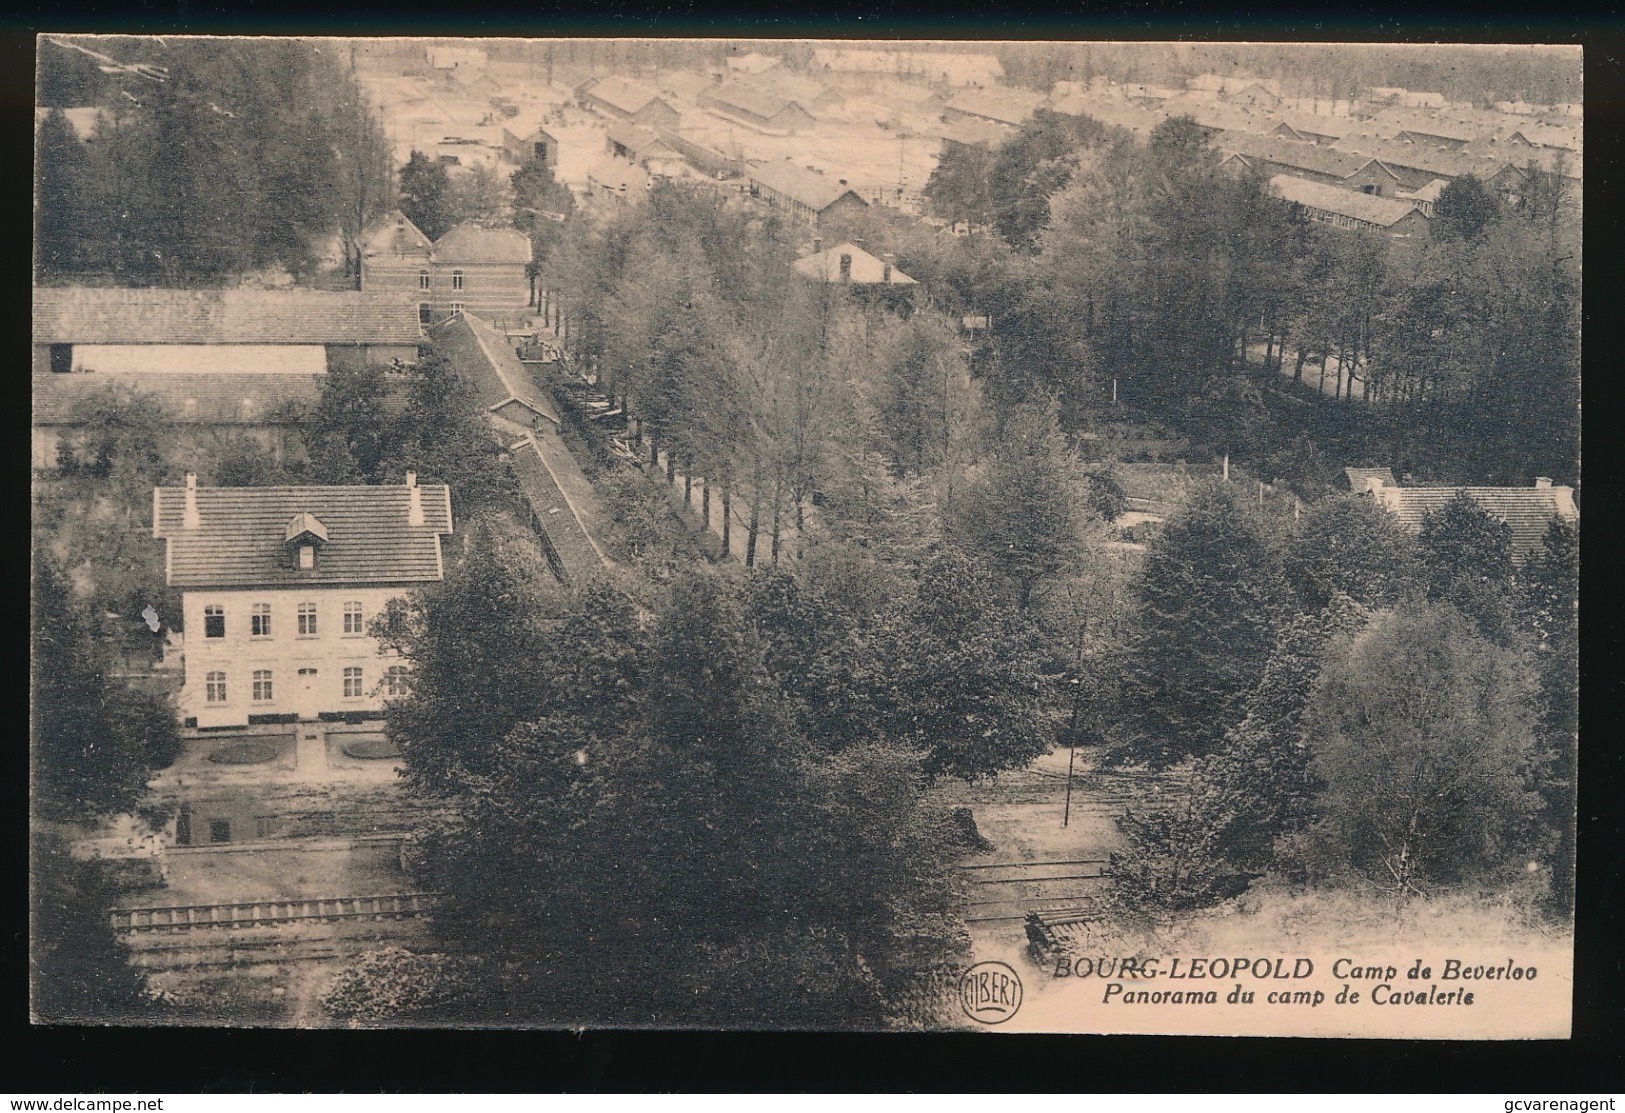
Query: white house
point(280, 584)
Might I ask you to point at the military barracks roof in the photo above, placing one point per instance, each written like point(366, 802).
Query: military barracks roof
point(1384, 212)
point(483, 356)
point(203, 399)
point(88, 315)
point(563, 501)
point(1007, 106)
point(623, 93)
point(241, 537)
point(1527, 510)
point(812, 189)
point(748, 97)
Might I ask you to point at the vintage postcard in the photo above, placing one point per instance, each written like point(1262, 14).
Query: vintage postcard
point(817, 535)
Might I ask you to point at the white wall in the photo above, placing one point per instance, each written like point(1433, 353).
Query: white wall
point(284, 653)
point(236, 359)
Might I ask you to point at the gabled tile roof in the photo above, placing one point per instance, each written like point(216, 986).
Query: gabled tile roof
point(622, 92)
point(470, 243)
point(1292, 154)
point(739, 96)
point(562, 500)
point(1007, 106)
point(483, 356)
point(1528, 510)
point(973, 132)
point(394, 234)
point(817, 191)
point(1384, 212)
point(241, 539)
point(209, 399)
point(634, 137)
point(825, 266)
point(87, 315)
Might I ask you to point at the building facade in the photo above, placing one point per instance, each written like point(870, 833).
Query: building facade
point(237, 332)
point(280, 586)
point(481, 270)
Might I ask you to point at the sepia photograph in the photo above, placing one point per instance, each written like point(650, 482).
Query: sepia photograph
point(807, 535)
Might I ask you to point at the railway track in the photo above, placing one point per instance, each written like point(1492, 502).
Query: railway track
point(1008, 891)
point(237, 915)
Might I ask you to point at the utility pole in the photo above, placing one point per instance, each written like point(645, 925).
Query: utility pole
point(1072, 749)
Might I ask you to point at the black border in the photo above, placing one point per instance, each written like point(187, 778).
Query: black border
point(81, 1060)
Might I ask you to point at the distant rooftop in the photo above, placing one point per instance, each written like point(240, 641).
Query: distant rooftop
point(865, 269)
point(95, 315)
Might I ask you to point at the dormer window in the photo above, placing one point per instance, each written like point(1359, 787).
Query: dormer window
point(304, 535)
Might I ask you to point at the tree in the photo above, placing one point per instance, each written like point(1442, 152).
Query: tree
point(1549, 614)
point(348, 435)
point(61, 208)
point(79, 971)
point(442, 434)
point(962, 683)
point(1207, 612)
point(1206, 838)
point(1421, 734)
point(1026, 514)
point(1467, 556)
point(474, 643)
point(958, 189)
point(1348, 545)
point(1465, 206)
point(480, 195)
point(426, 195)
point(653, 838)
point(95, 741)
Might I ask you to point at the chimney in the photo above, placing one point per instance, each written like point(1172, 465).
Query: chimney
point(192, 520)
point(842, 181)
point(414, 505)
point(885, 271)
point(1543, 483)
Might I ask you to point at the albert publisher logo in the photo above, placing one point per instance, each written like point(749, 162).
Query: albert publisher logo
point(990, 992)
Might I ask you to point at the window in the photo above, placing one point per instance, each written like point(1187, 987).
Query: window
point(397, 680)
point(423, 280)
point(183, 826)
point(352, 683)
point(456, 307)
point(219, 830)
point(214, 621)
point(262, 685)
point(214, 687)
point(307, 557)
point(456, 280)
point(265, 826)
point(61, 357)
point(307, 620)
point(352, 619)
point(259, 623)
point(425, 313)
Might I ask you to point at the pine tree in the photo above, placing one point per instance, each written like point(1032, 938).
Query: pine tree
point(95, 741)
point(61, 206)
point(426, 195)
point(1026, 515)
point(1468, 563)
point(1208, 603)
